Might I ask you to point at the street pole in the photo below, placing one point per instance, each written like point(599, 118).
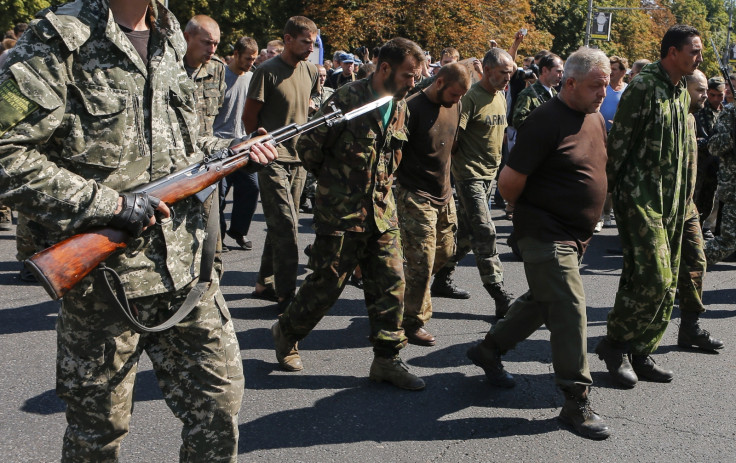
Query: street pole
point(587, 23)
point(728, 34)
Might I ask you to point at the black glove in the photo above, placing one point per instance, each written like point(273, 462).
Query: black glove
point(138, 208)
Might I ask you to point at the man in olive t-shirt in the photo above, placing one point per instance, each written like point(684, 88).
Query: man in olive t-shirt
point(279, 95)
point(474, 166)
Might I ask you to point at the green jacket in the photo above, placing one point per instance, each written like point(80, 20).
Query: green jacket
point(528, 100)
point(82, 118)
point(647, 145)
point(354, 163)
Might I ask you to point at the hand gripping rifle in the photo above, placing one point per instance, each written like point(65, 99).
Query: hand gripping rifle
point(64, 264)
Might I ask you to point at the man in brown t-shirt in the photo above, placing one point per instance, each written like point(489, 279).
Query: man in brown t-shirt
point(427, 217)
point(556, 181)
point(279, 94)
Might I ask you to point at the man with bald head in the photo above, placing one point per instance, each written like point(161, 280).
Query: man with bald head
point(692, 260)
point(206, 70)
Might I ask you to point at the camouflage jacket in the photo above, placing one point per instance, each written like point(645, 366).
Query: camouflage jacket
point(721, 144)
point(354, 163)
point(209, 79)
point(647, 146)
point(528, 100)
point(705, 119)
point(318, 99)
point(83, 118)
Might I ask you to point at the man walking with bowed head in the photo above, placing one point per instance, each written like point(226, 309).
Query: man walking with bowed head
point(355, 215)
point(647, 176)
point(556, 179)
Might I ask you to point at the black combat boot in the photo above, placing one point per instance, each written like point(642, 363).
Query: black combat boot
point(577, 412)
point(691, 334)
point(489, 359)
point(443, 286)
point(646, 368)
point(617, 361)
point(500, 297)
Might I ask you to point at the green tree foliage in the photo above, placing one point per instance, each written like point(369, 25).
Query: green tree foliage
point(21, 11)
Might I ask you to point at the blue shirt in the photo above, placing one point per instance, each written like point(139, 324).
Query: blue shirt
point(610, 103)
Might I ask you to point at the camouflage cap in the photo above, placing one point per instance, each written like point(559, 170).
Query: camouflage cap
point(716, 82)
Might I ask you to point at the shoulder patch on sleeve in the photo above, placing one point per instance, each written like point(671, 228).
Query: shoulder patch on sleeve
point(14, 106)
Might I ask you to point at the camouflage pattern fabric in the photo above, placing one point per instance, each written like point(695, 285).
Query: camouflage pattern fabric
point(707, 180)
point(476, 230)
point(528, 100)
point(354, 163)
point(281, 187)
point(209, 95)
point(428, 241)
point(200, 373)
point(318, 99)
point(722, 144)
point(84, 119)
point(332, 260)
point(310, 190)
point(692, 262)
point(355, 219)
point(647, 174)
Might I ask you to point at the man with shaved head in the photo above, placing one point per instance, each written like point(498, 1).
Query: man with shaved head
point(692, 261)
point(206, 70)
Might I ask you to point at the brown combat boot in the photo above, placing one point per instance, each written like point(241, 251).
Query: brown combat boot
point(287, 353)
point(577, 412)
point(393, 370)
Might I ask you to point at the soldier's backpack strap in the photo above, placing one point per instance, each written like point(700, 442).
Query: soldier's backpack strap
point(195, 294)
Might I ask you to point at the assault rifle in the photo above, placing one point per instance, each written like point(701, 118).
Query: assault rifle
point(60, 267)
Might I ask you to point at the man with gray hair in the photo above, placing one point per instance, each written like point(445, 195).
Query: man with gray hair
point(474, 167)
point(556, 180)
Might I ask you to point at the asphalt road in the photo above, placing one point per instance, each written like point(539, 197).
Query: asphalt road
point(331, 412)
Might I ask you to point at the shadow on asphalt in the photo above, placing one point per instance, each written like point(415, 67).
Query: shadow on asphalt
point(354, 415)
point(37, 317)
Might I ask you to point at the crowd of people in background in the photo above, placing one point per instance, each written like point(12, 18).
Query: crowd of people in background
point(564, 146)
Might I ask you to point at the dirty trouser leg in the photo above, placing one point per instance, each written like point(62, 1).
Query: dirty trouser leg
point(427, 237)
point(692, 267)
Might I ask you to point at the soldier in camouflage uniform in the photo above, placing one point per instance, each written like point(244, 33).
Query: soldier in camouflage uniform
point(89, 111)
point(707, 180)
point(647, 175)
point(692, 262)
point(426, 208)
point(355, 216)
point(722, 144)
point(206, 70)
point(541, 91)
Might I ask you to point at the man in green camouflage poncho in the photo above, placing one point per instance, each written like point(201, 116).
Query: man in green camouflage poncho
point(647, 174)
point(95, 102)
point(355, 216)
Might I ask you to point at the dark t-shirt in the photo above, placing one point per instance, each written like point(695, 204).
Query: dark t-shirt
point(139, 39)
point(425, 163)
point(563, 152)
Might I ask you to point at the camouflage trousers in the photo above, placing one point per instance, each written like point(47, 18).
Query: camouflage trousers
point(310, 190)
point(556, 298)
point(476, 230)
point(724, 244)
point(692, 266)
point(281, 187)
point(197, 364)
point(333, 259)
point(428, 241)
point(651, 260)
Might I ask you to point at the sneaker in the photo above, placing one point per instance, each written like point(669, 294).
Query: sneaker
point(598, 226)
point(393, 370)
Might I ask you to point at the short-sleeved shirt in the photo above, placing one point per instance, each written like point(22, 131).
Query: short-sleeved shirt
point(285, 91)
point(425, 164)
point(566, 167)
point(483, 122)
point(229, 121)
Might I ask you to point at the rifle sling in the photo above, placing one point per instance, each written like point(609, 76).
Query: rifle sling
point(194, 295)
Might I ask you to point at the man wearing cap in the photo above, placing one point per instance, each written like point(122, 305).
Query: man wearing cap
point(338, 79)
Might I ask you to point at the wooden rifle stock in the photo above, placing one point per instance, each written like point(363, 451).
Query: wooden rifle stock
point(60, 267)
